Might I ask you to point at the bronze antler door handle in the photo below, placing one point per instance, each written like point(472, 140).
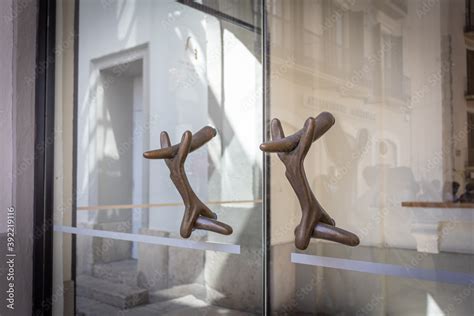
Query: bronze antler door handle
point(315, 221)
point(196, 214)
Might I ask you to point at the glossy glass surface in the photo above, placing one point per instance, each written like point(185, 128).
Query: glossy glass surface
point(144, 67)
point(394, 75)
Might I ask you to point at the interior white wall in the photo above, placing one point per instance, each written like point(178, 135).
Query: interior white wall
point(234, 71)
point(184, 80)
point(200, 71)
point(176, 101)
point(139, 193)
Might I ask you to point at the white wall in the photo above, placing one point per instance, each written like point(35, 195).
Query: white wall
point(195, 74)
point(175, 101)
point(197, 71)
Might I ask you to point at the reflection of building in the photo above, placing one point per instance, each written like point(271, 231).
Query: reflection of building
point(399, 62)
point(394, 75)
point(469, 38)
point(339, 40)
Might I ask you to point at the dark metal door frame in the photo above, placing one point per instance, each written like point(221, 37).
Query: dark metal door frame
point(44, 159)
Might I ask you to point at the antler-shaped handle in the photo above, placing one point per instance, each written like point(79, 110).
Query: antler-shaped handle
point(196, 214)
point(315, 221)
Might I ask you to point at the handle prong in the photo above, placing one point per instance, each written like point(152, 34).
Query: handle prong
point(196, 215)
point(315, 221)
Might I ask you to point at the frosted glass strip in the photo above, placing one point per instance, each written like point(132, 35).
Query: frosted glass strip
point(171, 242)
point(384, 269)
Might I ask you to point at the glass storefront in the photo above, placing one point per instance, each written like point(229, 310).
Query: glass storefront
point(364, 208)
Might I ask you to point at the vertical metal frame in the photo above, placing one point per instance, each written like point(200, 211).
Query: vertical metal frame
point(44, 160)
point(265, 36)
point(74, 148)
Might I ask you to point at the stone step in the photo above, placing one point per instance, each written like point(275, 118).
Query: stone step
point(174, 307)
point(197, 290)
point(89, 307)
point(183, 306)
point(119, 295)
point(123, 271)
point(208, 310)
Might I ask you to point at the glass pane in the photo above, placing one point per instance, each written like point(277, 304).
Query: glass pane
point(144, 67)
point(381, 295)
point(248, 13)
point(394, 169)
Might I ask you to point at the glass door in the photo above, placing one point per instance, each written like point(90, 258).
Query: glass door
point(345, 126)
point(390, 162)
point(177, 231)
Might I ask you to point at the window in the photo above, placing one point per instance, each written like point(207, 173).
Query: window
point(470, 140)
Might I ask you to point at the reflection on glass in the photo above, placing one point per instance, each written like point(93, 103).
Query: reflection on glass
point(396, 163)
point(150, 66)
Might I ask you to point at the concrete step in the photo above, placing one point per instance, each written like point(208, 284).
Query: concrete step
point(123, 271)
point(197, 290)
point(183, 306)
point(180, 293)
point(119, 295)
point(89, 307)
point(188, 302)
point(207, 311)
